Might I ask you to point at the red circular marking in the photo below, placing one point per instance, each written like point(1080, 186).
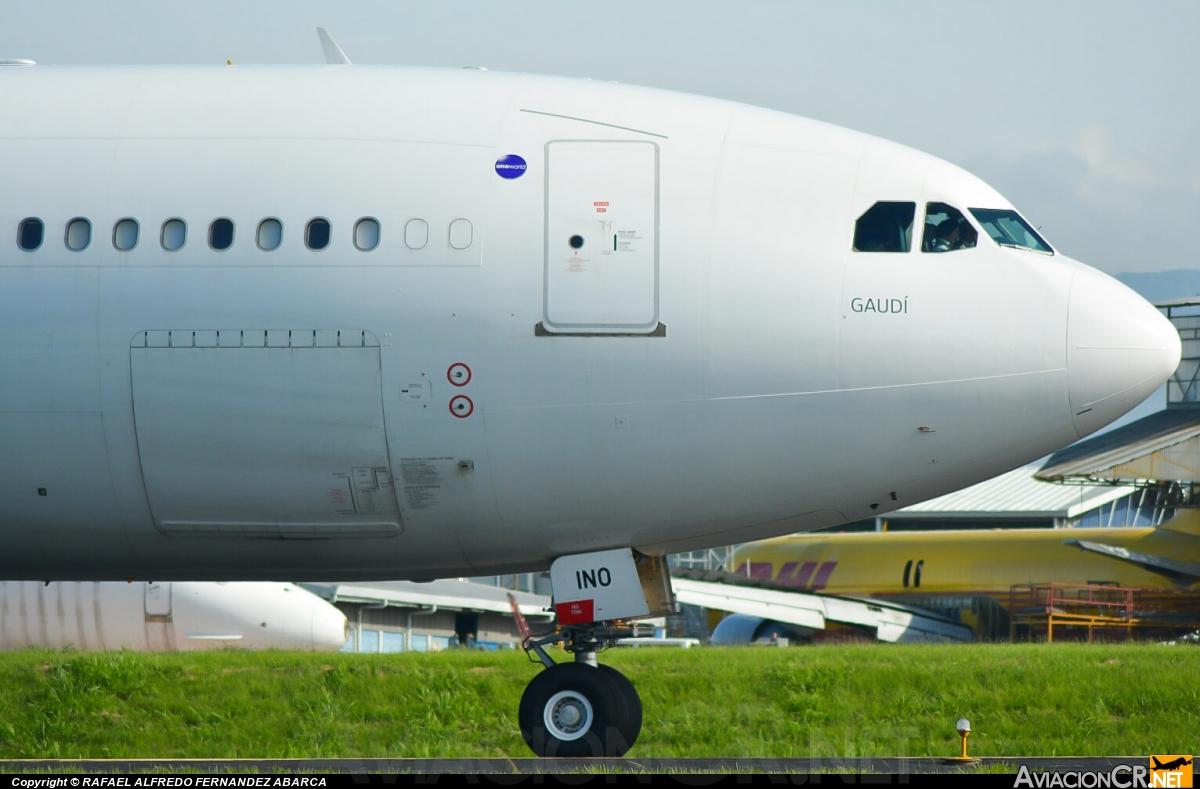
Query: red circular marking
point(458, 374)
point(461, 406)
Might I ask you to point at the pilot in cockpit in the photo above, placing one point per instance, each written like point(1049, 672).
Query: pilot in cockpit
point(947, 230)
point(947, 236)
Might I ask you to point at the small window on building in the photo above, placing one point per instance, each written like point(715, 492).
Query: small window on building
point(316, 234)
point(366, 234)
point(460, 233)
point(368, 641)
point(416, 234)
point(270, 234)
point(220, 234)
point(79, 234)
point(392, 642)
point(885, 227)
point(125, 234)
point(174, 234)
point(946, 229)
point(30, 233)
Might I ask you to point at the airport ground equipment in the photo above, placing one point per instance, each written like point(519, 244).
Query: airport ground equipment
point(167, 616)
point(1037, 608)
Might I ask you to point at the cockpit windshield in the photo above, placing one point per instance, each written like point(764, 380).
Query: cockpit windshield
point(1008, 229)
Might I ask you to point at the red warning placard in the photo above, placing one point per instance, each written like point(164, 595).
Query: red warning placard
point(575, 612)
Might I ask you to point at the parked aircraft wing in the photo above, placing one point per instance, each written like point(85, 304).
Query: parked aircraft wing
point(1159, 564)
point(891, 622)
point(787, 607)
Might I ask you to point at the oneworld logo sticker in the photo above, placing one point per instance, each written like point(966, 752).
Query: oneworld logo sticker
point(511, 166)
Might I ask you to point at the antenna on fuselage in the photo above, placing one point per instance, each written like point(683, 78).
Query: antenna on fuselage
point(334, 56)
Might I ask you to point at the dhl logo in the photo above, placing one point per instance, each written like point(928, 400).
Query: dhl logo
point(792, 575)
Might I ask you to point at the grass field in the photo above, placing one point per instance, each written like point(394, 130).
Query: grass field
point(853, 700)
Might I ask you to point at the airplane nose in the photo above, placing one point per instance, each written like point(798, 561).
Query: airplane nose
point(1119, 349)
point(330, 628)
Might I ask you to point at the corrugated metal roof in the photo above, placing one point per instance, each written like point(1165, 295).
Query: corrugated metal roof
point(446, 594)
point(1162, 446)
point(1015, 494)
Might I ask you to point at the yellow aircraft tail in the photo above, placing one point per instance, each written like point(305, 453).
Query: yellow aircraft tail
point(1185, 522)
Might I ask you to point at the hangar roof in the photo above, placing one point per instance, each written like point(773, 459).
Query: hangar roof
point(1015, 494)
point(447, 595)
point(1162, 446)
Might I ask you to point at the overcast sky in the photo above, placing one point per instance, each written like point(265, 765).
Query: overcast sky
point(1085, 114)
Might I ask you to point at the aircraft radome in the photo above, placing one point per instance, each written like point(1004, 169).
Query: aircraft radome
point(384, 323)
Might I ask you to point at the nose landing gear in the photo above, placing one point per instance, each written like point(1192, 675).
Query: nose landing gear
point(580, 708)
point(583, 708)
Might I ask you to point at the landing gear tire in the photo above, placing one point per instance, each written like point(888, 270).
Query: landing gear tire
point(631, 720)
point(573, 709)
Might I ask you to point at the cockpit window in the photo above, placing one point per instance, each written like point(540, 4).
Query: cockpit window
point(885, 227)
point(946, 229)
point(1008, 229)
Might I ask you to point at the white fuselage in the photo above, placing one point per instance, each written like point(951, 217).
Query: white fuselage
point(290, 413)
point(166, 616)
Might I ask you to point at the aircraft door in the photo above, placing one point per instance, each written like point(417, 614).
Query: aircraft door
point(158, 600)
point(263, 434)
point(601, 274)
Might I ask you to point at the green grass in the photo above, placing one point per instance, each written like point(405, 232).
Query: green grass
point(854, 700)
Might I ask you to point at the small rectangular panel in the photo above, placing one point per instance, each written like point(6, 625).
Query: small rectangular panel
point(278, 338)
point(205, 339)
point(158, 599)
point(601, 268)
point(298, 338)
point(231, 338)
point(416, 392)
point(325, 338)
point(606, 582)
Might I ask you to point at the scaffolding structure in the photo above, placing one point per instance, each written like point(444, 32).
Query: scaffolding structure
point(1042, 607)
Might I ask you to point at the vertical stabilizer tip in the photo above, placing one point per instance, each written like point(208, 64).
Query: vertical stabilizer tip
point(334, 56)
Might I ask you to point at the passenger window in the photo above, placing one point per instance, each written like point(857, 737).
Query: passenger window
point(174, 234)
point(366, 234)
point(917, 574)
point(416, 234)
point(125, 234)
point(885, 227)
point(270, 234)
point(460, 233)
point(946, 229)
point(907, 571)
point(30, 233)
point(79, 234)
point(316, 235)
point(220, 234)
